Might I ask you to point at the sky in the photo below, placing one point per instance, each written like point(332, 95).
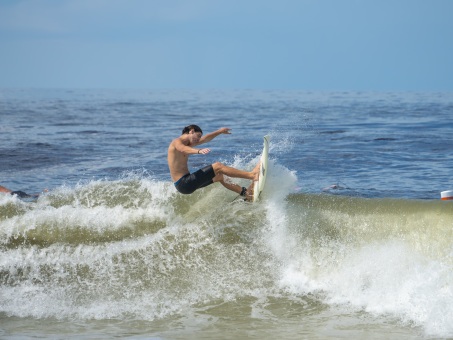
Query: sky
point(328, 45)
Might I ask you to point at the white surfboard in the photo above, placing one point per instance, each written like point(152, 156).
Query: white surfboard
point(258, 186)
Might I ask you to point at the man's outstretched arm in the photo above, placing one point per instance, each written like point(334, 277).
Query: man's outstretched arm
point(210, 136)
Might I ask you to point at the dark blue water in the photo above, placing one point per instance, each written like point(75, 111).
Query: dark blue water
point(368, 144)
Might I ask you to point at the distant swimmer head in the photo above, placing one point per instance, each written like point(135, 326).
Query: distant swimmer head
point(193, 127)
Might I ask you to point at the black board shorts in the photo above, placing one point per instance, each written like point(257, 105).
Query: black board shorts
point(188, 183)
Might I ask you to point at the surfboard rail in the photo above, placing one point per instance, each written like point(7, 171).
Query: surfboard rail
point(258, 186)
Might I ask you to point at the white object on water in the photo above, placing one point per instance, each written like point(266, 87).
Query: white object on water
point(446, 195)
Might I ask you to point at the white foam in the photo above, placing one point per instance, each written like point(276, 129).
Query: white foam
point(173, 267)
point(383, 278)
point(92, 208)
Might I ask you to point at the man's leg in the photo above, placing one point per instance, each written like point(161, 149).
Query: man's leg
point(234, 187)
point(220, 168)
point(231, 186)
point(247, 193)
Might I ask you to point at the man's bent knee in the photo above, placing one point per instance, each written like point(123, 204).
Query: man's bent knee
point(217, 166)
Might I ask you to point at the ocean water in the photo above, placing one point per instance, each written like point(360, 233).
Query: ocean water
point(349, 240)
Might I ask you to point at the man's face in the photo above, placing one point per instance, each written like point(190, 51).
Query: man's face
point(194, 136)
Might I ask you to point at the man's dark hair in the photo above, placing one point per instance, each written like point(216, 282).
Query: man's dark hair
point(196, 128)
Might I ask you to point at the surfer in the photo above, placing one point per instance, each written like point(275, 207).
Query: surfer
point(18, 193)
point(185, 182)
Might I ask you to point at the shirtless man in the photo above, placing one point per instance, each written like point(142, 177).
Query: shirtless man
point(185, 182)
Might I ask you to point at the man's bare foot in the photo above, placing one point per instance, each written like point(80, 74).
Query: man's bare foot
point(249, 196)
point(249, 193)
point(256, 171)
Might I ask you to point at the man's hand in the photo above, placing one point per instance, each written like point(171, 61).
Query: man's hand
point(225, 130)
point(204, 151)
